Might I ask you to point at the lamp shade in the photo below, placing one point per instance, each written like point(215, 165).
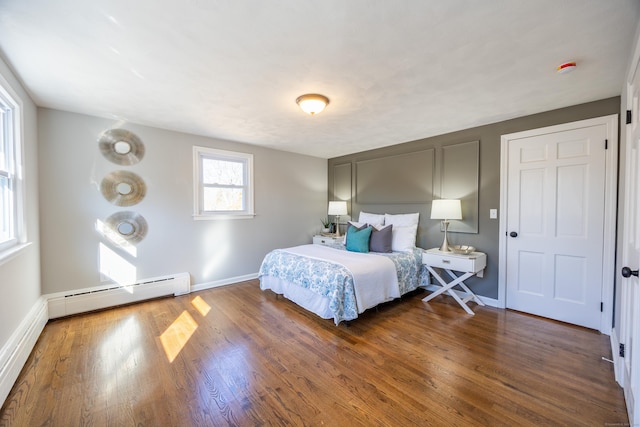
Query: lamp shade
point(337, 208)
point(446, 209)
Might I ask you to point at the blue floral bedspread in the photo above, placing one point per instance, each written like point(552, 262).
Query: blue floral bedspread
point(334, 281)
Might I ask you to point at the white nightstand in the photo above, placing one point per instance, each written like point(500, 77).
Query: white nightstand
point(469, 265)
point(327, 240)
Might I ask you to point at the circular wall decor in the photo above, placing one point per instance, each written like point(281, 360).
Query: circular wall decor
point(123, 188)
point(121, 146)
point(131, 226)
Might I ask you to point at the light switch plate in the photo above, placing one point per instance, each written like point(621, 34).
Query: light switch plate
point(493, 213)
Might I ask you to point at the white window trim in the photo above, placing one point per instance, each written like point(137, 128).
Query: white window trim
point(198, 152)
point(15, 246)
point(13, 252)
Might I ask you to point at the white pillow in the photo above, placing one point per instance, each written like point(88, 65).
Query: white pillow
point(403, 238)
point(376, 220)
point(401, 220)
point(355, 224)
point(405, 229)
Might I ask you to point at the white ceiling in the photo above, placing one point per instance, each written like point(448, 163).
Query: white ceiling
point(395, 71)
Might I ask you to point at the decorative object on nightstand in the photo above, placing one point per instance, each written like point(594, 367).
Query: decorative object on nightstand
point(446, 209)
point(462, 249)
point(325, 225)
point(337, 208)
point(471, 264)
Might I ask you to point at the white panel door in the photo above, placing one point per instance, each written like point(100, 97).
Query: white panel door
point(555, 224)
point(630, 298)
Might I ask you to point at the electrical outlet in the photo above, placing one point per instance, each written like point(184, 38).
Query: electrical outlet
point(493, 213)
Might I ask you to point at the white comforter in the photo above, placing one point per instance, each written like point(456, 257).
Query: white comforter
point(374, 277)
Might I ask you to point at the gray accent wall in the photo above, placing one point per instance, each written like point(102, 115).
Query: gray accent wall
point(290, 198)
point(444, 173)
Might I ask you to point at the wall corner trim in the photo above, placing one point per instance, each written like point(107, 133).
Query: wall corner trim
point(14, 354)
point(618, 362)
point(224, 282)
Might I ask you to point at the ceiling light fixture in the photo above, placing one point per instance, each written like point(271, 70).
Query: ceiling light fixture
point(567, 67)
point(312, 103)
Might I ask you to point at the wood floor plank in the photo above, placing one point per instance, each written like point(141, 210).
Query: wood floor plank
point(244, 357)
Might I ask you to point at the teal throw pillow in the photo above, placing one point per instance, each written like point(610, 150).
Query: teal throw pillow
point(359, 239)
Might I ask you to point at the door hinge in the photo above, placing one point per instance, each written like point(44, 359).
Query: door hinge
point(601, 307)
point(621, 352)
point(606, 144)
point(629, 117)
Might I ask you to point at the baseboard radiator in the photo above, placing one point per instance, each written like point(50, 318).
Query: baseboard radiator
point(84, 300)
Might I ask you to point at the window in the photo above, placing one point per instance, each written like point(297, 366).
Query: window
point(11, 200)
point(223, 184)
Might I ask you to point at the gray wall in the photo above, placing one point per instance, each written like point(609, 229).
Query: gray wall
point(486, 240)
point(290, 197)
point(20, 276)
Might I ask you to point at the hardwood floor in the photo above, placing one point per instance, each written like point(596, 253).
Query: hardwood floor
point(243, 357)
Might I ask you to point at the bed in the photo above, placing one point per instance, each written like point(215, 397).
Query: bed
point(336, 282)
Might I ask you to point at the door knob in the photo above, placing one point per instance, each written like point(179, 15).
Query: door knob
point(513, 234)
point(627, 272)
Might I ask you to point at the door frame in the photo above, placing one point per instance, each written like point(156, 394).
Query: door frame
point(610, 205)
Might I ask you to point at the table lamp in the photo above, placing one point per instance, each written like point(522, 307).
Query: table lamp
point(337, 208)
point(446, 209)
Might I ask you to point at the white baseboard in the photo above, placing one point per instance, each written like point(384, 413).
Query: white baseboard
point(224, 282)
point(491, 302)
point(107, 296)
point(618, 362)
point(16, 351)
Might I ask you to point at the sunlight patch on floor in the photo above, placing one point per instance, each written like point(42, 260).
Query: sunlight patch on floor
point(201, 305)
point(177, 335)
